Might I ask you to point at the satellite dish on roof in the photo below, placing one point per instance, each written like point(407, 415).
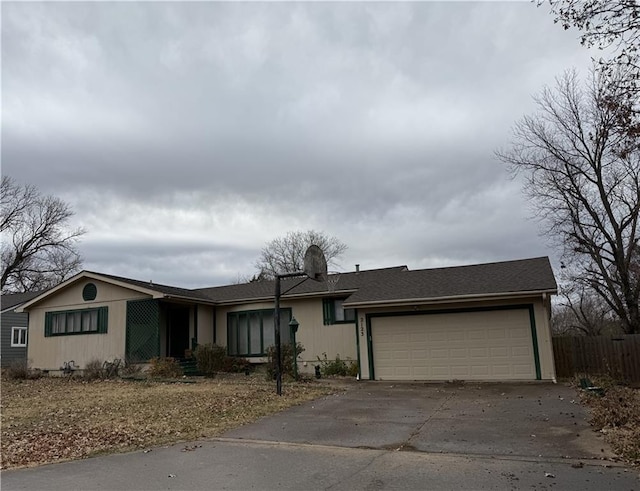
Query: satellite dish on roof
point(315, 264)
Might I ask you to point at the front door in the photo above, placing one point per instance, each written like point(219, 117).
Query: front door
point(178, 330)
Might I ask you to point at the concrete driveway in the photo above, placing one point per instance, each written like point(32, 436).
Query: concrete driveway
point(376, 436)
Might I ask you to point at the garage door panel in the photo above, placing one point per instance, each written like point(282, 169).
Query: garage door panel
point(419, 356)
point(436, 337)
point(520, 351)
point(477, 335)
point(499, 352)
point(480, 371)
point(491, 345)
point(440, 371)
point(478, 353)
point(457, 353)
point(524, 370)
point(501, 370)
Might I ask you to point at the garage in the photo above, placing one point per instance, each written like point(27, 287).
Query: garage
point(466, 345)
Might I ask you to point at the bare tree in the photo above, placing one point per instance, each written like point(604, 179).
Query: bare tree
point(581, 169)
point(614, 27)
point(613, 24)
point(286, 254)
point(38, 249)
point(582, 313)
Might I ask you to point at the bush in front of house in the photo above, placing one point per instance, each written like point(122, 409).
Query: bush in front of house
point(131, 368)
point(337, 367)
point(19, 370)
point(210, 358)
point(165, 367)
point(233, 364)
point(93, 370)
point(286, 350)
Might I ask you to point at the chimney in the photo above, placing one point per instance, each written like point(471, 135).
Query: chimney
point(357, 268)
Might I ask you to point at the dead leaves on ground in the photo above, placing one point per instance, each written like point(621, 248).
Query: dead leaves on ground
point(52, 419)
point(617, 415)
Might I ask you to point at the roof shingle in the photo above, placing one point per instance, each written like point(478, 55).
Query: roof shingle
point(12, 300)
point(525, 275)
point(374, 286)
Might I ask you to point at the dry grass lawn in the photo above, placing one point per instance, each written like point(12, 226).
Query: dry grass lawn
point(53, 419)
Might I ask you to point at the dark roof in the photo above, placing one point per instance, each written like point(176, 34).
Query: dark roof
point(172, 291)
point(525, 275)
point(13, 300)
point(386, 285)
point(264, 290)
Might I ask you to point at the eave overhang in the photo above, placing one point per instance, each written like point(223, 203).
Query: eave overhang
point(83, 275)
point(448, 299)
point(295, 296)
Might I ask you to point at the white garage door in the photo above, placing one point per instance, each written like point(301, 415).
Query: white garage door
point(492, 345)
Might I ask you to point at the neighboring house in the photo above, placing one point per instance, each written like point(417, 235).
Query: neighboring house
point(479, 322)
point(13, 328)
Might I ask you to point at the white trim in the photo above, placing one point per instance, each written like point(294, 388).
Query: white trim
point(15, 328)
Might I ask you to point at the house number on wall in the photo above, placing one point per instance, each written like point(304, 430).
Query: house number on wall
point(361, 326)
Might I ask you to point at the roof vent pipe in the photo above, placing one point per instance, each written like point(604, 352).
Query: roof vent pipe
point(357, 268)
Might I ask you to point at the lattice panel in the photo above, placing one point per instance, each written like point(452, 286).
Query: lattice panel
point(143, 330)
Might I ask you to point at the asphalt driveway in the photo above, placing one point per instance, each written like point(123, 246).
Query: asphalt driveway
point(526, 420)
point(376, 436)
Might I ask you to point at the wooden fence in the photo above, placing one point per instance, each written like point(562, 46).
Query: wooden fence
point(615, 356)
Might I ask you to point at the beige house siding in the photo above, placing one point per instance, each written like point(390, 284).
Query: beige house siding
point(49, 353)
point(336, 339)
point(541, 313)
point(205, 324)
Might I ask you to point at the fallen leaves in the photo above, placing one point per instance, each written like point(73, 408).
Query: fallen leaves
point(52, 419)
point(617, 415)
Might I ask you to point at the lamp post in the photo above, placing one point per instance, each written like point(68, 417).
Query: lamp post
point(276, 321)
point(293, 327)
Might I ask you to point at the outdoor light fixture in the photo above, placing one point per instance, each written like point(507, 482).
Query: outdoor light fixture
point(293, 327)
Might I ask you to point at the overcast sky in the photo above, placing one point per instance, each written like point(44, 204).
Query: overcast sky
point(187, 135)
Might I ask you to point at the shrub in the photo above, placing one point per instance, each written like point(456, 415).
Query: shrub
point(353, 370)
point(210, 358)
point(111, 369)
point(232, 364)
point(93, 370)
point(19, 370)
point(337, 367)
point(287, 359)
point(165, 367)
point(131, 369)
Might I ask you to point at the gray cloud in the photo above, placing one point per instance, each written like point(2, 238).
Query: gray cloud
point(185, 135)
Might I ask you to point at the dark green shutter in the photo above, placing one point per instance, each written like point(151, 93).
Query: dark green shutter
point(48, 322)
point(327, 311)
point(103, 319)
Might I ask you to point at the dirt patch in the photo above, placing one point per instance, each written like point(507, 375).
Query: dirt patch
point(53, 419)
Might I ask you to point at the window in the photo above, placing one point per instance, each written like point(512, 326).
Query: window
point(18, 337)
point(334, 313)
point(86, 321)
point(250, 333)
